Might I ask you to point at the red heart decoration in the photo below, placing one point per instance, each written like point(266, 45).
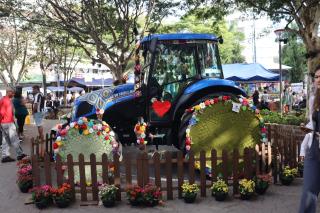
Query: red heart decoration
point(161, 107)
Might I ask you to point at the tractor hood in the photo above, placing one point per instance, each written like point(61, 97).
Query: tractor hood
point(104, 98)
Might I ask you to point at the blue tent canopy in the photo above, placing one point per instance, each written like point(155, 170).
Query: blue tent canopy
point(248, 73)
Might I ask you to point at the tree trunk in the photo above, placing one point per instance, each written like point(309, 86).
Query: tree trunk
point(44, 83)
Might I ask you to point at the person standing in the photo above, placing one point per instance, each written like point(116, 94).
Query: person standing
point(311, 173)
point(38, 114)
point(255, 98)
point(20, 112)
point(8, 128)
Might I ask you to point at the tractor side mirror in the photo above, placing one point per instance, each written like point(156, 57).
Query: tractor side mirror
point(153, 45)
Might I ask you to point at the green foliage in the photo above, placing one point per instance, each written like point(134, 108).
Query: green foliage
point(294, 56)
point(290, 119)
point(230, 50)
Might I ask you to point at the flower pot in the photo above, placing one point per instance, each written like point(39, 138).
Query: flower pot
point(261, 189)
point(43, 203)
point(190, 198)
point(109, 202)
point(220, 196)
point(62, 203)
point(246, 196)
point(25, 187)
point(286, 180)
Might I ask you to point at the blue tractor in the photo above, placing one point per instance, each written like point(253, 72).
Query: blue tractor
point(175, 70)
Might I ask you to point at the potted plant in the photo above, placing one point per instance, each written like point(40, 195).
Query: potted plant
point(42, 196)
point(135, 195)
point(107, 194)
point(287, 175)
point(220, 190)
point(62, 196)
point(25, 183)
point(24, 174)
point(189, 192)
point(246, 189)
point(151, 195)
point(262, 183)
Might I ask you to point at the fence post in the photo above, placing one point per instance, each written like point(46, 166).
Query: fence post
point(213, 165)
point(257, 158)
point(35, 170)
point(180, 174)
point(235, 165)
point(71, 175)
point(203, 173)
point(263, 155)
point(47, 169)
point(83, 184)
point(105, 165)
point(94, 182)
point(47, 144)
point(59, 170)
point(225, 165)
point(127, 161)
point(247, 162)
point(191, 168)
point(156, 163)
point(51, 149)
point(169, 175)
point(139, 170)
point(117, 175)
point(32, 147)
point(145, 168)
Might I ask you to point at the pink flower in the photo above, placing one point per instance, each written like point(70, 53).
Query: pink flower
point(188, 147)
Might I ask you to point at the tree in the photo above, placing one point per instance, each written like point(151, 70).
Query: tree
point(16, 53)
point(293, 55)
point(230, 50)
point(109, 26)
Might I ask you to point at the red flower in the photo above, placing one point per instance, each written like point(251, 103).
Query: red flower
point(188, 141)
point(55, 146)
point(225, 98)
point(106, 138)
point(263, 130)
point(216, 100)
point(98, 133)
point(207, 102)
point(141, 140)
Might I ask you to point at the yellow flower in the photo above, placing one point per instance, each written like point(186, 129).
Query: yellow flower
point(86, 132)
point(59, 143)
point(197, 107)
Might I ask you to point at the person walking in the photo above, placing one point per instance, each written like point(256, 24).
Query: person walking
point(311, 173)
point(8, 128)
point(20, 112)
point(38, 114)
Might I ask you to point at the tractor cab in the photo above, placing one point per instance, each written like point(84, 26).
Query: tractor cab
point(172, 62)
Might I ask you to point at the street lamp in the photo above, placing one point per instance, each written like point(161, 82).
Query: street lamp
point(280, 33)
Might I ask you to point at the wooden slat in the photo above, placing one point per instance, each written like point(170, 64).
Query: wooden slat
point(59, 170)
point(47, 169)
point(35, 170)
point(225, 165)
point(47, 143)
point(275, 164)
point(191, 168)
point(246, 163)
point(145, 168)
point(235, 171)
point(269, 158)
point(169, 175)
point(117, 175)
point(32, 146)
point(82, 174)
point(180, 174)
point(37, 147)
point(203, 173)
point(263, 154)
point(139, 170)
point(94, 180)
point(213, 165)
point(105, 165)
point(156, 160)
point(251, 166)
point(71, 174)
point(127, 161)
point(50, 147)
point(257, 158)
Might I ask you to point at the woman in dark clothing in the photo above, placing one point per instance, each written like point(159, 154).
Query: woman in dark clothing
point(20, 112)
point(255, 98)
point(311, 173)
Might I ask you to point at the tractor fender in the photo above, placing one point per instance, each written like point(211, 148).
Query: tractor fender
point(202, 88)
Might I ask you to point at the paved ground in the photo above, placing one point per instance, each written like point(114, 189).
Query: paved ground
point(279, 199)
